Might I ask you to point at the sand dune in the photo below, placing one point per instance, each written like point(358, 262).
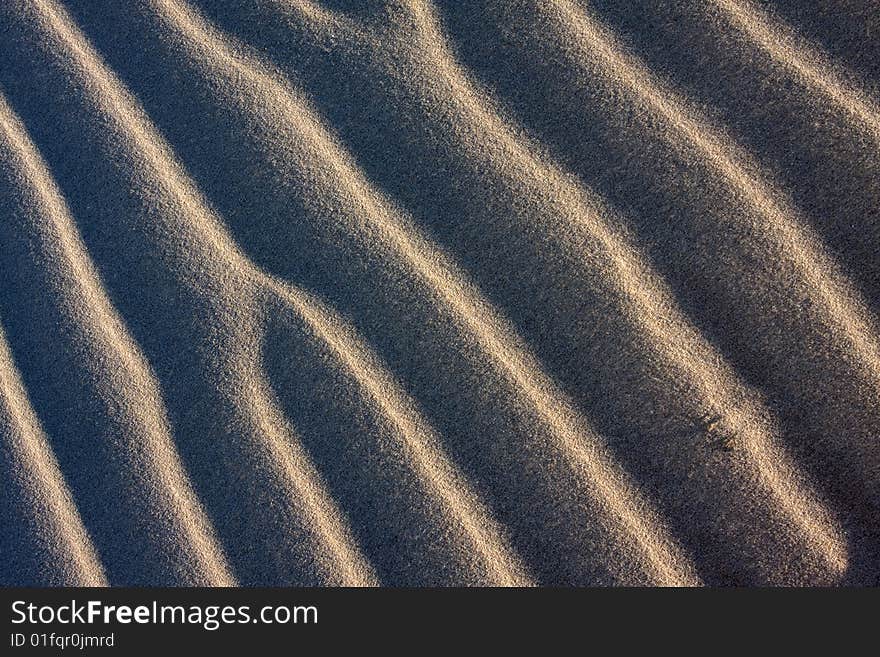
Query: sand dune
point(413, 293)
point(48, 527)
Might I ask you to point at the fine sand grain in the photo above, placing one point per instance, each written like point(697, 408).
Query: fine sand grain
point(405, 292)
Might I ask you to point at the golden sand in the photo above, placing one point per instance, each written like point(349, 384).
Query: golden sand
point(402, 293)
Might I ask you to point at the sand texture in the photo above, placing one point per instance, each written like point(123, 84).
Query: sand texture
point(485, 292)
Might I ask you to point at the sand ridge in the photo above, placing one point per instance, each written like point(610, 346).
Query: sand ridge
point(350, 314)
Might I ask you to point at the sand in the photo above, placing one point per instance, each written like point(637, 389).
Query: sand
point(404, 293)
